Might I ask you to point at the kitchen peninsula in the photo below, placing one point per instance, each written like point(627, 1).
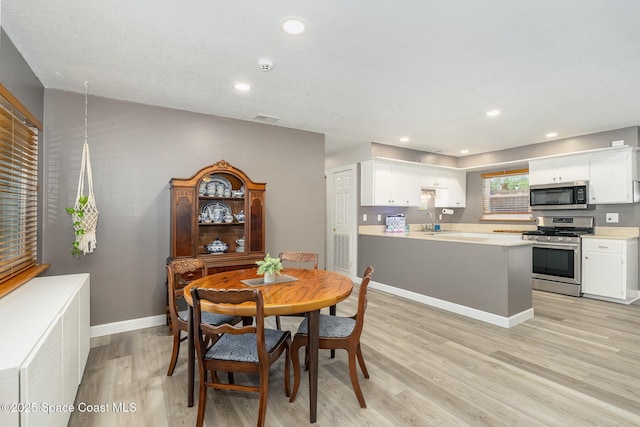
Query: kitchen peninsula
point(485, 276)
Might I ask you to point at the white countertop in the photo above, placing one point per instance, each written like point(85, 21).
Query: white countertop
point(494, 239)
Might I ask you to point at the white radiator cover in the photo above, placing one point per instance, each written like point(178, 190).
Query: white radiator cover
point(48, 333)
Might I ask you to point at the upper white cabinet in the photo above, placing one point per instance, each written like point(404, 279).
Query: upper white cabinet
point(450, 186)
point(612, 173)
point(612, 176)
point(559, 169)
point(386, 183)
point(457, 191)
point(433, 177)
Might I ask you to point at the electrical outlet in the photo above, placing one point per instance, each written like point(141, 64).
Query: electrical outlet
point(612, 217)
point(379, 217)
point(618, 143)
point(364, 217)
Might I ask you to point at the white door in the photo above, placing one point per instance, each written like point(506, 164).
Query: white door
point(342, 220)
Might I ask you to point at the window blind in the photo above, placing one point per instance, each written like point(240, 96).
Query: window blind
point(18, 192)
point(506, 194)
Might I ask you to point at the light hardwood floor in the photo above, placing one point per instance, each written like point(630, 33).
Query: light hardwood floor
point(577, 363)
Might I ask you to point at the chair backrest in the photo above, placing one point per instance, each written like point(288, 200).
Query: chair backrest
point(300, 257)
point(180, 272)
point(233, 297)
point(362, 300)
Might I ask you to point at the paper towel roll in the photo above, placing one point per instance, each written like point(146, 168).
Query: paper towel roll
point(447, 211)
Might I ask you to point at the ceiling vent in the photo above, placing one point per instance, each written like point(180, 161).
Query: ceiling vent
point(266, 118)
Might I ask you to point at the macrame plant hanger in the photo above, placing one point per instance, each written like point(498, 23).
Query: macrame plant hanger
point(85, 212)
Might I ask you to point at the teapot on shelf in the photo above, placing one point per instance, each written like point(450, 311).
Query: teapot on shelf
point(239, 216)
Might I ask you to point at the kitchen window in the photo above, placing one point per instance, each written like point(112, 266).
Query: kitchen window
point(18, 193)
point(506, 195)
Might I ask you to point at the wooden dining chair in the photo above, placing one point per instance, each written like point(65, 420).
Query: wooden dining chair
point(337, 332)
point(300, 257)
point(181, 272)
point(247, 349)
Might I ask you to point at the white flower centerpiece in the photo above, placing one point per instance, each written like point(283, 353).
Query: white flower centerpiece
point(270, 267)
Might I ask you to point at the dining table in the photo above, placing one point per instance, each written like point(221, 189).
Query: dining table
point(295, 291)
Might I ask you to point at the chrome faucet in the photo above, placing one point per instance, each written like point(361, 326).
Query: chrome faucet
point(428, 226)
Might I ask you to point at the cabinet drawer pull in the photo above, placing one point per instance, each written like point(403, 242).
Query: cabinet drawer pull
point(603, 247)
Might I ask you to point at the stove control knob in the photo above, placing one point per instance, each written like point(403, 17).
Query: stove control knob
point(549, 238)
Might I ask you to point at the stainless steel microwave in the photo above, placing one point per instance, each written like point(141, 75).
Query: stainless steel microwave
point(567, 195)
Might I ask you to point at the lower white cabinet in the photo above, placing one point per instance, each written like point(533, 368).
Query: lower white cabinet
point(610, 269)
point(46, 328)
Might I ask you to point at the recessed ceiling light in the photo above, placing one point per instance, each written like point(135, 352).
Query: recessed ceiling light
point(493, 113)
point(464, 151)
point(551, 134)
point(293, 26)
point(404, 139)
point(242, 87)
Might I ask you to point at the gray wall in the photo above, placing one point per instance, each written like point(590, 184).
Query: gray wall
point(135, 151)
point(561, 146)
point(18, 78)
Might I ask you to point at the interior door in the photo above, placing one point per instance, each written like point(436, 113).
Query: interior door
point(342, 220)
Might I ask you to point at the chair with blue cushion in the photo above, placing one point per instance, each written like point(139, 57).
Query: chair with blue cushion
point(181, 272)
point(300, 257)
point(247, 349)
point(337, 332)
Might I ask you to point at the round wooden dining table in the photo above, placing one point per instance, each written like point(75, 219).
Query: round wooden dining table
point(306, 291)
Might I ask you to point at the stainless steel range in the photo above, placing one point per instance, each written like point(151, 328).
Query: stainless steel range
point(557, 251)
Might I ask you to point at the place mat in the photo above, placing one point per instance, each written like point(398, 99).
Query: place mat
point(260, 280)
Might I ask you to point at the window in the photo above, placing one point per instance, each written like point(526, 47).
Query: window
point(506, 195)
point(18, 193)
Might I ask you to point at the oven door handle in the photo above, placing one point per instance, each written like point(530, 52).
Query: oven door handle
point(575, 246)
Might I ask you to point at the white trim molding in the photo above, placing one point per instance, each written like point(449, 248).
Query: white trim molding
point(128, 325)
point(494, 319)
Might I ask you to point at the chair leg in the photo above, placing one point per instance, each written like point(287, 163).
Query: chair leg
point(332, 312)
point(287, 374)
point(361, 361)
point(295, 349)
point(264, 394)
point(202, 398)
point(354, 377)
point(174, 353)
point(278, 326)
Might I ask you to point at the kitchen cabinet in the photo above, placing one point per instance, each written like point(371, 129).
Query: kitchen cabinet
point(457, 190)
point(613, 176)
point(386, 183)
point(450, 186)
point(610, 269)
point(238, 210)
point(434, 177)
point(559, 169)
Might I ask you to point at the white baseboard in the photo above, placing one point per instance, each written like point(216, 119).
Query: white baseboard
point(128, 325)
point(494, 319)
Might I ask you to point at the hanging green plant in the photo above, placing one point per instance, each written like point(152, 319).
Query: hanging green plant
point(76, 214)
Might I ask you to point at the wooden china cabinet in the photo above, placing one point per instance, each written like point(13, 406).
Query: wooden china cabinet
point(208, 208)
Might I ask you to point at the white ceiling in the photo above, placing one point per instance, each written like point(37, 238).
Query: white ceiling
point(366, 70)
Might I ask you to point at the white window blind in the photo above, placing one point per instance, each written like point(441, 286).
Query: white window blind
point(506, 195)
point(18, 192)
